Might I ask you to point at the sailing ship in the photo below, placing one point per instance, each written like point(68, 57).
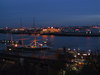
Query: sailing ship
point(34, 46)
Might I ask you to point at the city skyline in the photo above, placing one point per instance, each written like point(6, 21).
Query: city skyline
point(49, 12)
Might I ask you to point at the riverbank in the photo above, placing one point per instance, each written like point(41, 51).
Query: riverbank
point(74, 34)
point(59, 34)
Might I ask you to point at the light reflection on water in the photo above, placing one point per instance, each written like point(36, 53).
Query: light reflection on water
point(84, 43)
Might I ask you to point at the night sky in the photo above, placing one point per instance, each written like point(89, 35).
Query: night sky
point(49, 12)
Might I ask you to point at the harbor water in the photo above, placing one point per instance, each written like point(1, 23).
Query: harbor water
point(82, 43)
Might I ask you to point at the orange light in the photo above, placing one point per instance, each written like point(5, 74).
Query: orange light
point(52, 36)
point(44, 36)
point(81, 63)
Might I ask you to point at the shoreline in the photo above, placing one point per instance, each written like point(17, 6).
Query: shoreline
point(62, 34)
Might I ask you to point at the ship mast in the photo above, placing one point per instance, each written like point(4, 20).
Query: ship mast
point(35, 41)
point(34, 25)
point(22, 40)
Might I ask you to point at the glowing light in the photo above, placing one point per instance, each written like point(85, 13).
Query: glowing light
point(44, 36)
point(51, 30)
point(74, 49)
point(90, 32)
point(78, 54)
point(33, 46)
point(41, 44)
point(84, 54)
point(51, 27)
point(89, 50)
point(45, 42)
point(76, 29)
point(88, 53)
point(68, 48)
point(81, 63)
point(44, 30)
point(75, 56)
point(10, 49)
point(16, 45)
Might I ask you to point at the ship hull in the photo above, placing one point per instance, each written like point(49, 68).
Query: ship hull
point(26, 49)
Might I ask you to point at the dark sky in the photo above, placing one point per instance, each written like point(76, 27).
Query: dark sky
point(49, 12)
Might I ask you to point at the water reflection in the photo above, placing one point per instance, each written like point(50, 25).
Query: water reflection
point(84, 43)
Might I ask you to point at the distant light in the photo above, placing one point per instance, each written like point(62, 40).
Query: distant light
point(82, 57)
point(51, 27)
point(84, 54)
point(89, 54)
point(78, 54)
point(41, 44)
point(81, 63)
point(76, 29)
point(86, 32)
point(16, 45)
point(89, 50)
point(6, 27)
point(90, 32)
point(74, 49)
point(68, 48)
point(75, 56)
point(9, 49)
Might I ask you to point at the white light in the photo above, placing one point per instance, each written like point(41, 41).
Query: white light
point(74, 49)
point(75, 56)
point(10, 49)
point(68, 48)
point(85, 54)
point(89, 50)
point(88, 53)
point(90, 32)
point(78, 53)
point(51, 27)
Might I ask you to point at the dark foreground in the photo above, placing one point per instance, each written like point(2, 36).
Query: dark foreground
point(12, 64)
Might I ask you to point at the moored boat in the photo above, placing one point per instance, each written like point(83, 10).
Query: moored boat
point(34, 46)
